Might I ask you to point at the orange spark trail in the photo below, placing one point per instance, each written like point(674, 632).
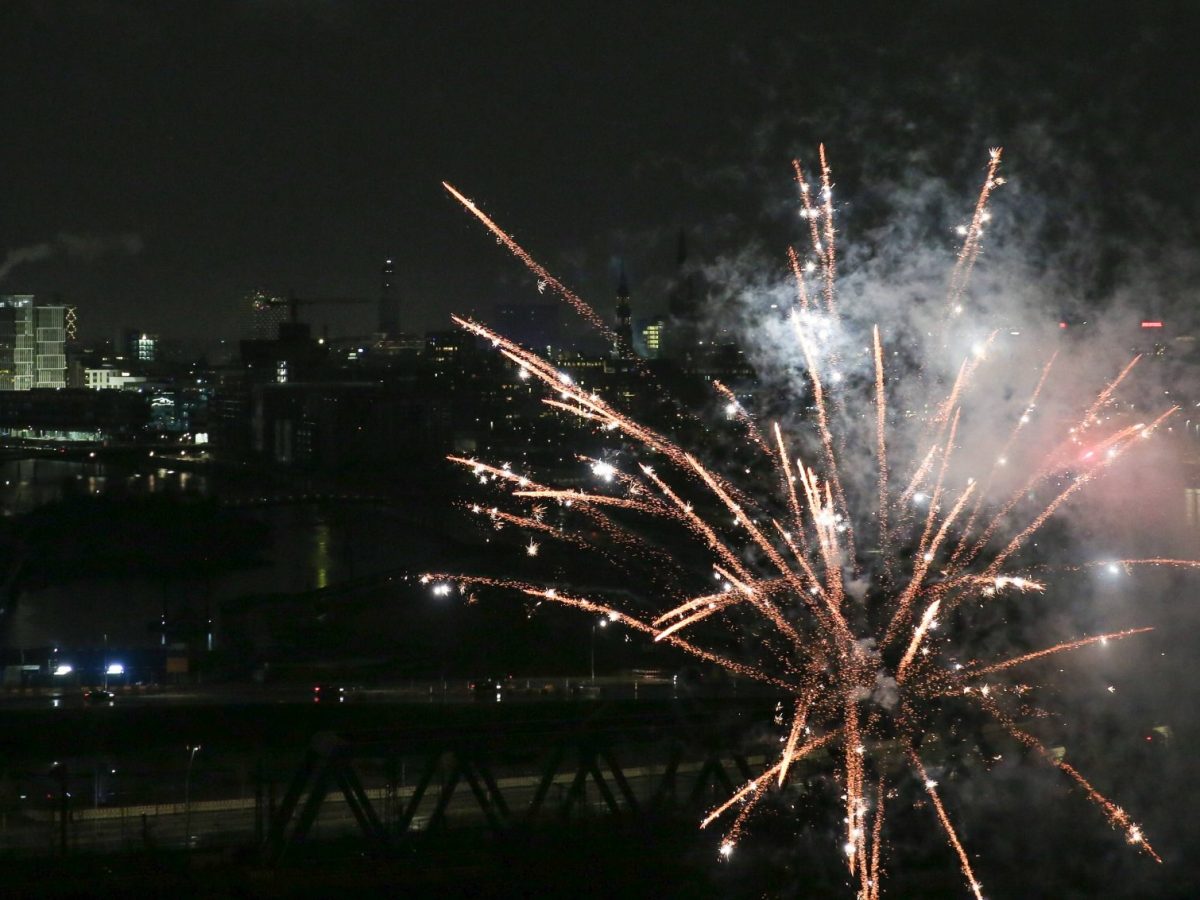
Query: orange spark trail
point(812, 215)
point(951, 835)
point(613, 614)
point(580, 305)
point(578, 496)
point(1116, 816)
point(1002, 459)
point(936, 499)
point(876, 840)
point(808, 747)
point(827, 441)
point(1043, 470)
point(1108, 391)
point(769, 609)
point(715, 604)
point(969, 252)
point(881, 446)
point(698, 525)
point(616, 615)
point(830, 267)
point(1057, 648)
point(694, 603)
point(744, 521)
point(713, 607)
point(742, 416)
point(789, 485)
point(1079, 482)
point(855, 806)
point(918, 635)
point(925, 556)
point(989, 586)
point(801, 288)
point(813, 617)
point(943, 418)
point(918, 477)
point(799, 717)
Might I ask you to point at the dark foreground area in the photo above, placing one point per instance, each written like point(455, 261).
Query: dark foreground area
point(1029, 834)
point(650, 858)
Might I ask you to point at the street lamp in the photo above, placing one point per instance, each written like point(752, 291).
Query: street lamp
point(187, 797)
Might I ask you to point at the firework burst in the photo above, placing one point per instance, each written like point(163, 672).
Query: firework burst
point(848, 600)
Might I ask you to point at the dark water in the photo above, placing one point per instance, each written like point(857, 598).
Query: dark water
point(26, 484)
point(308, 546)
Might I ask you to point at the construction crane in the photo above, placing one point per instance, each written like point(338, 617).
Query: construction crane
point(263, 301)
point(294, 303)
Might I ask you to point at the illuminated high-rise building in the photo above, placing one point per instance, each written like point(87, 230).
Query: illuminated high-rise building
point(652, 337)
point(32, 344)
point(389, 302)
point(140, 347)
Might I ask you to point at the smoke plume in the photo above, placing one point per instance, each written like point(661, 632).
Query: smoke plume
point(83, 247)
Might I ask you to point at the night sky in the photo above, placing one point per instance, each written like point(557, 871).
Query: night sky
point(192, 152)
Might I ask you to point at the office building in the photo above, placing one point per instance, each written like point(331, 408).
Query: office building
point(653, 332)
point(32, 344)
point(139, 346)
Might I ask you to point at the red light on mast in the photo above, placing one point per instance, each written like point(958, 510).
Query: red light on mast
point(1152, 324)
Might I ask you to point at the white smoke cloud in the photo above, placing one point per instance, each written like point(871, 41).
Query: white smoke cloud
point(83, 247)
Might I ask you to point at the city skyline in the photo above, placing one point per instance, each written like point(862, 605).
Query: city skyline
point(169, 164)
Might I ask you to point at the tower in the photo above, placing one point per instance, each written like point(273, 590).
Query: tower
point(389, 303)
point(682, 301)
point(624, 321)
point(678, 342)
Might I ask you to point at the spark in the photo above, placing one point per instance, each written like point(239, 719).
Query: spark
point(604, 470)
point(826, 609)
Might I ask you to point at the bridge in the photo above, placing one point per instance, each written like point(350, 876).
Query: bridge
point(522, 769)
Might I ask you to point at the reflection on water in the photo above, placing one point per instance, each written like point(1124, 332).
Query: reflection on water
point(26, 484)
point(310, 547)
point(321, 557)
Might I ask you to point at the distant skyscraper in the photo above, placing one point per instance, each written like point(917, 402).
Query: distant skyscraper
point(389, 302)
point(32, 341)
point(265, 313)
point(71, 323)
point(142, 347)
point(624, 321)
point(652, 337)
point(678, 338)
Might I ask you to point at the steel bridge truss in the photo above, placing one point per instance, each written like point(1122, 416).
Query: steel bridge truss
point(696, 758)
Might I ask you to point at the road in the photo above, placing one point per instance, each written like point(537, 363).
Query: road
point(517, 690)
